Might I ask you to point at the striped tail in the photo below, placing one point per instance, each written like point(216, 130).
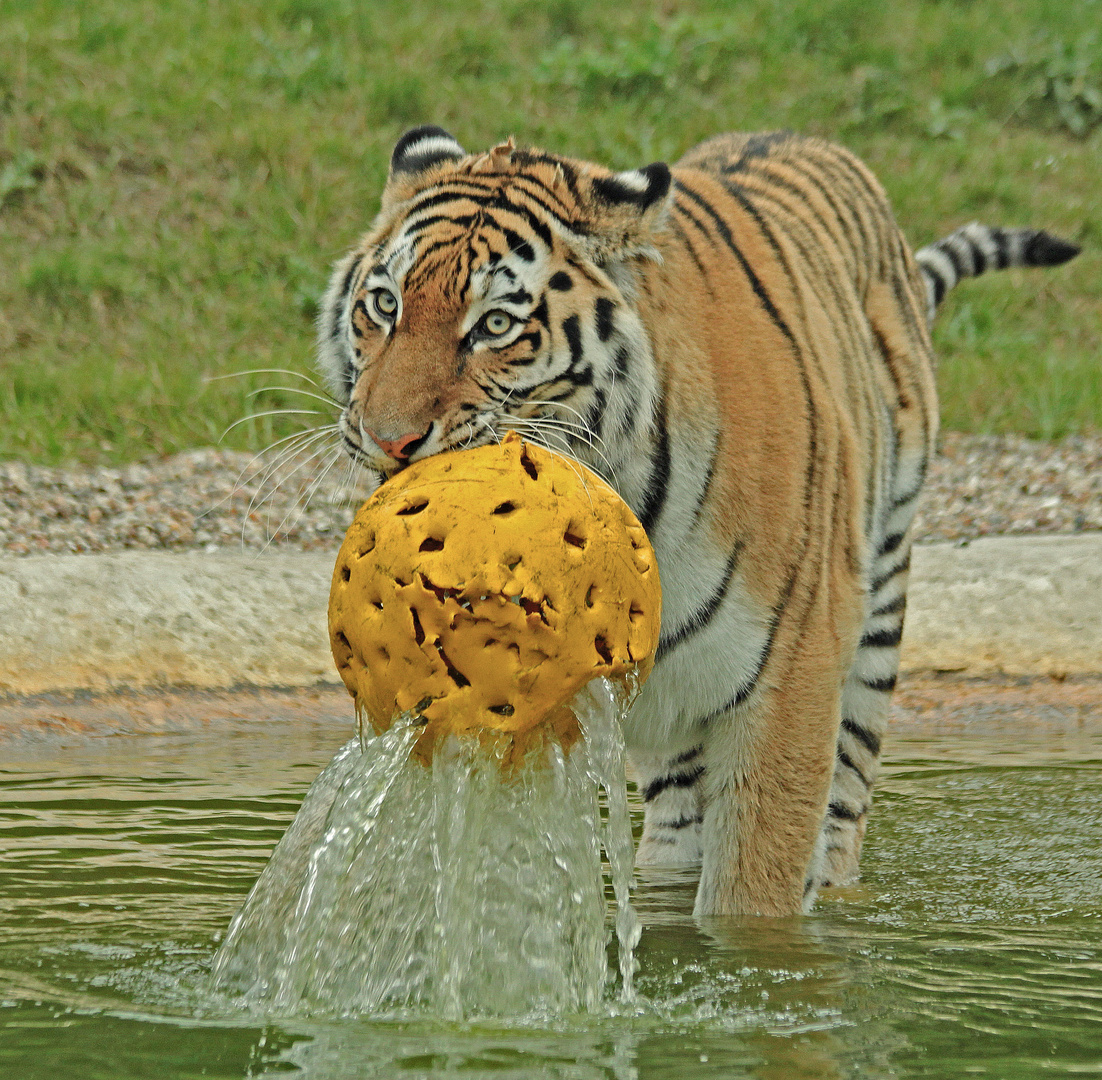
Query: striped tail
point(975, 248)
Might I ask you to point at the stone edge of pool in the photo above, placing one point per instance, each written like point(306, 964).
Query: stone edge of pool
point(1022, 605)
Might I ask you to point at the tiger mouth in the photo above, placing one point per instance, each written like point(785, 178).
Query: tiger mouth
point(389, 466)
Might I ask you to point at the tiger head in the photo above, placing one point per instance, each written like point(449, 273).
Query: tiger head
point(494, 292)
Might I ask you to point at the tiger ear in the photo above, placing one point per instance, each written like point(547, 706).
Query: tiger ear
point(628, 208)
point(640, 188)
point(417, 152)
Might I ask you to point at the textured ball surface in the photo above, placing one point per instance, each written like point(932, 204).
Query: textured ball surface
point(482, 589)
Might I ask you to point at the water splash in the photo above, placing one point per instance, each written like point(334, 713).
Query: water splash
point(453, 888)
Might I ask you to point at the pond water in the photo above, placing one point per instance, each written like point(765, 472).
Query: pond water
point(131, 830)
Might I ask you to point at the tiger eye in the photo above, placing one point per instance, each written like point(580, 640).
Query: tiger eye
point(497, 323)
point(386, 303)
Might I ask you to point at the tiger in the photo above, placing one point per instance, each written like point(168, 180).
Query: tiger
point(740, 345)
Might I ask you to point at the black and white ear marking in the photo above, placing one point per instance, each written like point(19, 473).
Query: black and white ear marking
point(422, 148)
point(641, 187)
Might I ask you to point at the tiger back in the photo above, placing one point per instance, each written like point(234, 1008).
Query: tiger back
point(740, 346)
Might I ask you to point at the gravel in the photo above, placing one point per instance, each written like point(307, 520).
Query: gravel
point(216, 500)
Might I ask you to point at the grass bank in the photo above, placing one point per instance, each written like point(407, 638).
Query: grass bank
point(176, 177)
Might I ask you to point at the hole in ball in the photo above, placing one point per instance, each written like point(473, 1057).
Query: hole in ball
point(528, 464)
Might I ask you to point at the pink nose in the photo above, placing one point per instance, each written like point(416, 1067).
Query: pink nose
point(396, 448)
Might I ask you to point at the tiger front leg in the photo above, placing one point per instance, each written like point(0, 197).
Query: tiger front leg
point(768, 770)
point(670, 785)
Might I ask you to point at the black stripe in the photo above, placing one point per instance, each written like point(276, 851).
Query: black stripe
point(517, 244)
point(748, 688)
point(709, 476)
point(755, 282)
point(416, 226)
point(940, 287)
point(865, 737)
point(360, 308)
point(739, 195)
point(979, 259)
point(847, 761)
point(657, 487)
point(914, 492)
point(582, 376)
point(346, 288)
point(812, 252)
point(891, 543)
point(844, 812)
point(1002, 248)
point(759, 145)
point(561, 281)
point(454, 192)
point(852, 223)
point(704, 614)
point(539, 313)
point(843, 240)
point(884, 685)
point(1043, 249)
point(867, 196)
point(663, 783)
point(884, 578)
point(688, 755)
point(532, 339)
point(594, 414)
point(682, 822)
point(882, 638)
point(950, 253)
point(605, 307)
point(539, 227)
point(898, 604)
point(571, 327)
point(539, 193)
point(686, 243)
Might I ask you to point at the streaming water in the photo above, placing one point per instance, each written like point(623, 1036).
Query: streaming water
point(133, 827)
point(457, 888)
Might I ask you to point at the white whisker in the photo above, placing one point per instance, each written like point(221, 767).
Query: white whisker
point(577, 467)
point(562, 428)
point(302, 505)
point(295, 390)
point(262, 494)
point(263, 371)
point(270, 412)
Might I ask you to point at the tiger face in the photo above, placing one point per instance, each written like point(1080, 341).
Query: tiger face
point(488, 297)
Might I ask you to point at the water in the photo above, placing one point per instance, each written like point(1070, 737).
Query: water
point(972, 947)
point(456, 888)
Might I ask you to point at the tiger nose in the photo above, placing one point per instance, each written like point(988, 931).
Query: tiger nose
point(399, 448)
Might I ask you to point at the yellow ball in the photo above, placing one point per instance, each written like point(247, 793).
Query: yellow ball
point(481, 589)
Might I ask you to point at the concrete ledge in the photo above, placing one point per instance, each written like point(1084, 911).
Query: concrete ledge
point(144, 619)
point(1016, 605)
point(1013, 605)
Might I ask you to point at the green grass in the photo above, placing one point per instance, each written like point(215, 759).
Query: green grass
point(175, 178)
